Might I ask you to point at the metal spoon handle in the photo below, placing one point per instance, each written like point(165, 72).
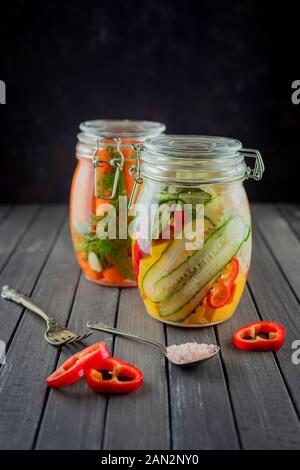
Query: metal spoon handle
point(97, 325)
point(16, 296)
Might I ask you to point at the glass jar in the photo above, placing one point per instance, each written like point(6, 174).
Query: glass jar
point(192, 264)
point(106, 150)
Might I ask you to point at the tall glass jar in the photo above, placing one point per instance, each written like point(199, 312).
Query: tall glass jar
point(192, 257)
point(106, 150)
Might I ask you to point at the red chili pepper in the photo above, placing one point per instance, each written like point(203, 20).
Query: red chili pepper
point(137, 256)
point(260, 336)
point(73, 369)
point(114, 376)
point(222, 290)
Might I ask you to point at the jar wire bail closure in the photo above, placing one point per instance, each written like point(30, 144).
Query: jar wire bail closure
point(206, 150)
point(116, 163)
point(259, 167)
point(135, 173)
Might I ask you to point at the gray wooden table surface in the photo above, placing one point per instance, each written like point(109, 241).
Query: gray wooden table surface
point(237, 400)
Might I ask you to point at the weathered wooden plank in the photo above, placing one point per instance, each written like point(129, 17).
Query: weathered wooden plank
point(77, 414)
point(139, 420)
point(201, 409)
point(264, 413)
point(201, 414)
point(291, 212)
point(4, 210)
point(276, 301)
point(30, 359)
point(26, 262)
point(12, 229)
point(282, 241)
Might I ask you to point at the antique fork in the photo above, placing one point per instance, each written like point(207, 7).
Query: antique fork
point(55, 333)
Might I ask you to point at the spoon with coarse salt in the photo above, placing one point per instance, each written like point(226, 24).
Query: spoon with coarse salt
point(181, 354)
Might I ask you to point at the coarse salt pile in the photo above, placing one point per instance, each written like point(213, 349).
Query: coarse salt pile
point(189, 352)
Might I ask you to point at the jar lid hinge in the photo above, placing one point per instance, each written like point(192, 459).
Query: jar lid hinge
point(259, 167)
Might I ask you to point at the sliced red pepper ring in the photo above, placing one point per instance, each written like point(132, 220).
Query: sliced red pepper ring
point(222, 291)
point(219, 295)
point(260, 336)
point(114, 376)
point(73, 368)
point(231, 271)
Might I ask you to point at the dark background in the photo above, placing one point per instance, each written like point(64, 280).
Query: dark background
point(205, 67)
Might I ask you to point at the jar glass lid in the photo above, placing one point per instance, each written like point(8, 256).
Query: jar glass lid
point(123, 129)
point(189, 146)
point(196, 159)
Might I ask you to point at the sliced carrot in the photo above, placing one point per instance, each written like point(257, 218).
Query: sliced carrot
point(112, 275)
point(82, 192)
point(81, 256)
point(94, 205)
point(76, 237)
point(84, 264)
point(99, 202)
point(93, 274)
point(129, 181)
point(126, 151)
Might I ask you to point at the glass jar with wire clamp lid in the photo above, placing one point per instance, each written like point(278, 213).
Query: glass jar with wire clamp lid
point(106, 150)
point(192, 240)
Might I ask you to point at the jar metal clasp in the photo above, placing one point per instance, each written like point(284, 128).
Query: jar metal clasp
point(135, 173)
point(259, 167)
point(117, 163)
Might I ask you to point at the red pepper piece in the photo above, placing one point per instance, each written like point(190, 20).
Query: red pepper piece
point(114, 376)
point(73, 368)
point(231, 271)
point(222, 291)
point(170, 231)
point(137, 256)
point(220, 295)
point(178, 223)
point(260, 336)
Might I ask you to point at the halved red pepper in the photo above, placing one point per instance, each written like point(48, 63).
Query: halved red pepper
point(73, 368)
point(114, 376)
point(222, 291)
point(260, 336)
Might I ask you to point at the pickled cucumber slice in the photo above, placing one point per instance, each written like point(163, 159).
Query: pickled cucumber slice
point(183, 313)
point(209, 227)
point(174, 255)
point(183, 284)
point(196, 196)
point(244, 253)
point(167, 197)
point(217, 211)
